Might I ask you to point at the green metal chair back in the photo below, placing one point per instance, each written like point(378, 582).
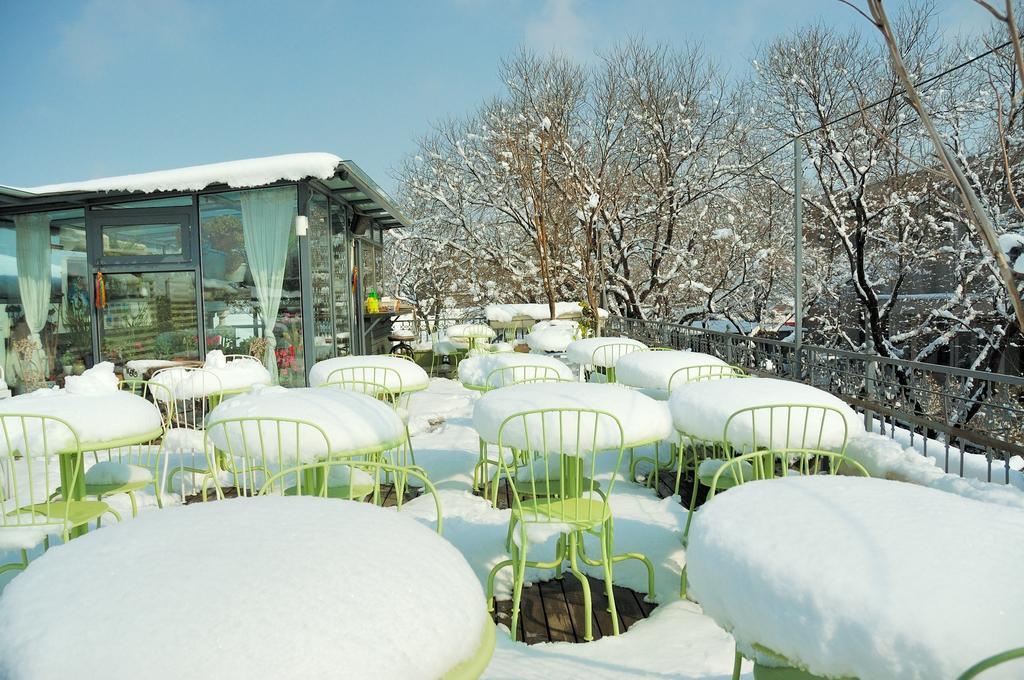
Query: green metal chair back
point(772, 463)
point(800, 426)
point(608, 354)
point(689, 374)
point(526, 373)
point(188, 410)
point(475, 332)
point(381, 382)
point(319, 473)
point(991, 662)
point(253, 450)
point(31, 447)
point(551, 480)
point(148, 455)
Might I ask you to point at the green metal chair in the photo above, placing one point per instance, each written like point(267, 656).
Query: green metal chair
point(769, 464)
point(321, 472)
point(34, 451)
point(131, 467)
point(992, 661)
point(610, 353)
point(558, 491)
point(498, 378)
point(187, 421)
point(375, 381)
point(681, 376)
point(764, 422)
point(776, 425)
point(252, 451)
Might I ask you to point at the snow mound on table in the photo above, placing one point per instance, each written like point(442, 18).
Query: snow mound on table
point(860, 585)
point(352, 421)
point(653, 370)
point(250, 172)
point(95, 418)
point(701, 410)
point(477, 369)
point(501, 313)
point(887, 458)
point(216, 375)
point(552, 336)
point(305, 587)
point(470, 330)
point(361, 368)
point(582, 352)
point(642, 418)
point(96, 380)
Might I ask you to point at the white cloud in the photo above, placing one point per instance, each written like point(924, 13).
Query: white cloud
point(561, 28)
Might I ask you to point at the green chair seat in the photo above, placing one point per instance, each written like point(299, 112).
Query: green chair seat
point(707, 469)
point(78, 512)
point(579, 512)
point(526, 490)
point(345, 492)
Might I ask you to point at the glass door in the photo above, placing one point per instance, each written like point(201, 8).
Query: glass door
point(145, 292)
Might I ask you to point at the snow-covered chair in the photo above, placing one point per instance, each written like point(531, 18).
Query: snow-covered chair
point(36, 451)
point(556, 493)
point(194, 393)
point(132, 467)
point(319, 476)
point(383, 383)
point(265, 456)
point(496, 379)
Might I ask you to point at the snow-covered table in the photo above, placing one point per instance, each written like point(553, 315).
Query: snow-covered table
point(643, 419)
point(354, 423)
point(552, 336)
point(876, 579)
point(102, 420)
point(216, 379)
point(485, 371)
point(656, 372)
point(702, 409)
point(298, 587)
point(399, 375)
point(469, 335)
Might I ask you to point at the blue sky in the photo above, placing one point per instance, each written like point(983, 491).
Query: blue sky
point(106, 87)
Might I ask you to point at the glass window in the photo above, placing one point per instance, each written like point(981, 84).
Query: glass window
point(142, 240)
point(231, 297)
point(45, 334)
point(319, 236)
point(343, 280)
point(149, 314)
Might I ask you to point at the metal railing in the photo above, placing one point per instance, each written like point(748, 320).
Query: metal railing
point(958, 410)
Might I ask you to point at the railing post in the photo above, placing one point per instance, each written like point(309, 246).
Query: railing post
point(798, 259)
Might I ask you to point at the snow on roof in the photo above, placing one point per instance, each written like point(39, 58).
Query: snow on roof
point(242, 173)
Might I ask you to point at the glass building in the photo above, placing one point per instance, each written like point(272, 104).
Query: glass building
point(270, 256)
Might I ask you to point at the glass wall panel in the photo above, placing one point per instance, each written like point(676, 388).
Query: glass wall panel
point(343, 280)
point(45, 318)
point(319, 236)
point(232, 305)
point(149, 314)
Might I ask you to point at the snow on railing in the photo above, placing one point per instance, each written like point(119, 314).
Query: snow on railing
point(970, 422)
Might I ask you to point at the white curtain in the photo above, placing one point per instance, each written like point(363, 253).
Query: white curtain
point(32, 245)
point(267, 218)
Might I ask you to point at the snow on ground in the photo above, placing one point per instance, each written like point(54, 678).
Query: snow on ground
point(678, 641)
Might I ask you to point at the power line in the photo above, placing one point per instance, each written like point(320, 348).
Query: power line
point(919, 84)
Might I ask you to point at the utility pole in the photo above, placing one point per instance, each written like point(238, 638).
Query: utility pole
point(798, 258)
